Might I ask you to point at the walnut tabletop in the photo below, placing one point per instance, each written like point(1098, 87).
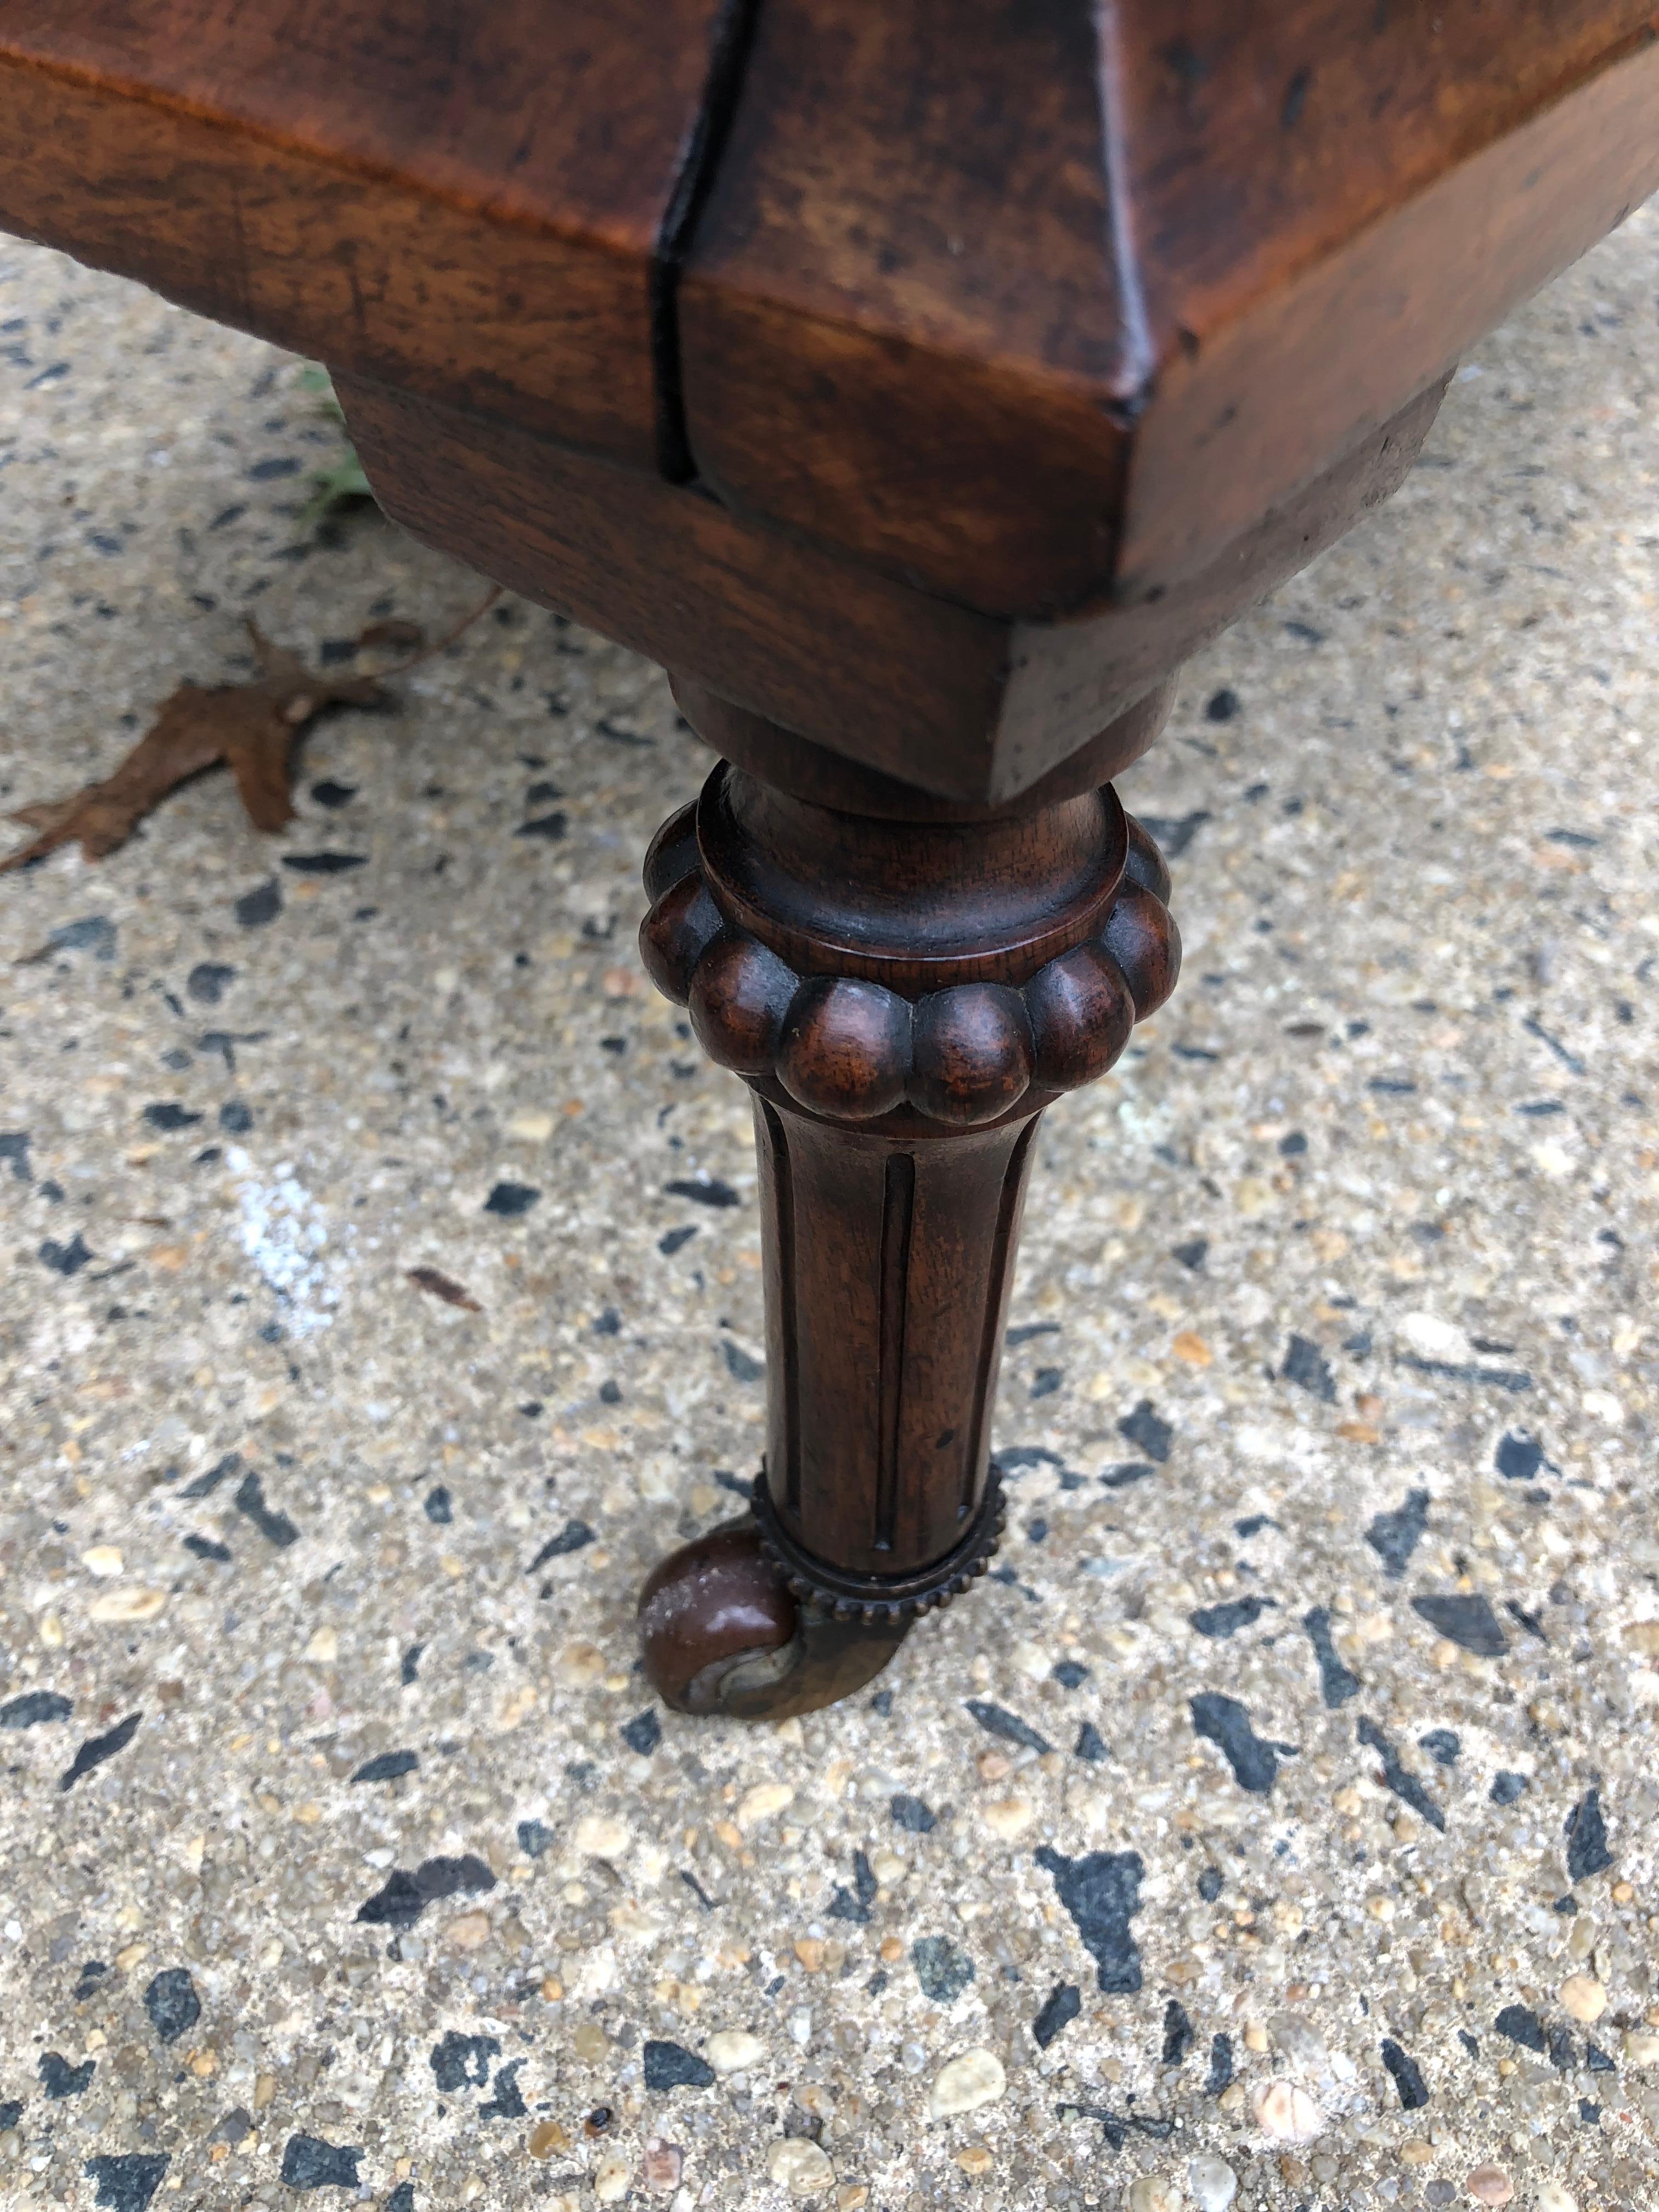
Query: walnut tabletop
point(998, 327)
point(921, 384)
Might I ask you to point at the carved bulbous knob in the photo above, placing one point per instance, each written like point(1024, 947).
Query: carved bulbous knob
point(846, 1049)
point(972, 1054)
point(854, 1050)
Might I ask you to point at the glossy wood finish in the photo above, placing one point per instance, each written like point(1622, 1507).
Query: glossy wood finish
point(908, 978)
point(720, 1632)
point(921, 383)
point(979, 283)
point(718, 1607)
point(904, 995)
point(467, 201)
point(889, 1264)
point(848, 658)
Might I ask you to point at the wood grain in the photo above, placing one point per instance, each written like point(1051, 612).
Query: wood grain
point(1036, 320)
point(465, 201)
point(922, 383)
point(1401, 244)
point(865, 666)
point(839, 651)
point(1033, 308)
point(899, 328)
point(903, 998)
point(1261, 140)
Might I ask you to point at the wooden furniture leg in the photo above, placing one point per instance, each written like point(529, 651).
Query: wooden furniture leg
point(932, 380)
point(904, 991)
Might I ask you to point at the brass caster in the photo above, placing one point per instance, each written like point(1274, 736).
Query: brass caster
point(720, 1633)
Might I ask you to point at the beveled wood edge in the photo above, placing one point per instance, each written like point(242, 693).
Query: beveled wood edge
point(1225, 431)
point(839, 654)
point(611, 400)
point(1406, 305)
point(825, 778)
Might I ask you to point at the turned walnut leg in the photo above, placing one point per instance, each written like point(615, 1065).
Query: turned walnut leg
point(904, 991)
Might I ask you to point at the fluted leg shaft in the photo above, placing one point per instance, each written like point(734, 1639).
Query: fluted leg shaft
point(898, 1256)
point(904, 990)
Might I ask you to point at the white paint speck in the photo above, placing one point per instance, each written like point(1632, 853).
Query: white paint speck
point(285, 1233)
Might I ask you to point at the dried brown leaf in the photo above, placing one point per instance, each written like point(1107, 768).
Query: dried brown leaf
point(258, 735)
point(440, 1286)
point(181, 742)
point(249, 726)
